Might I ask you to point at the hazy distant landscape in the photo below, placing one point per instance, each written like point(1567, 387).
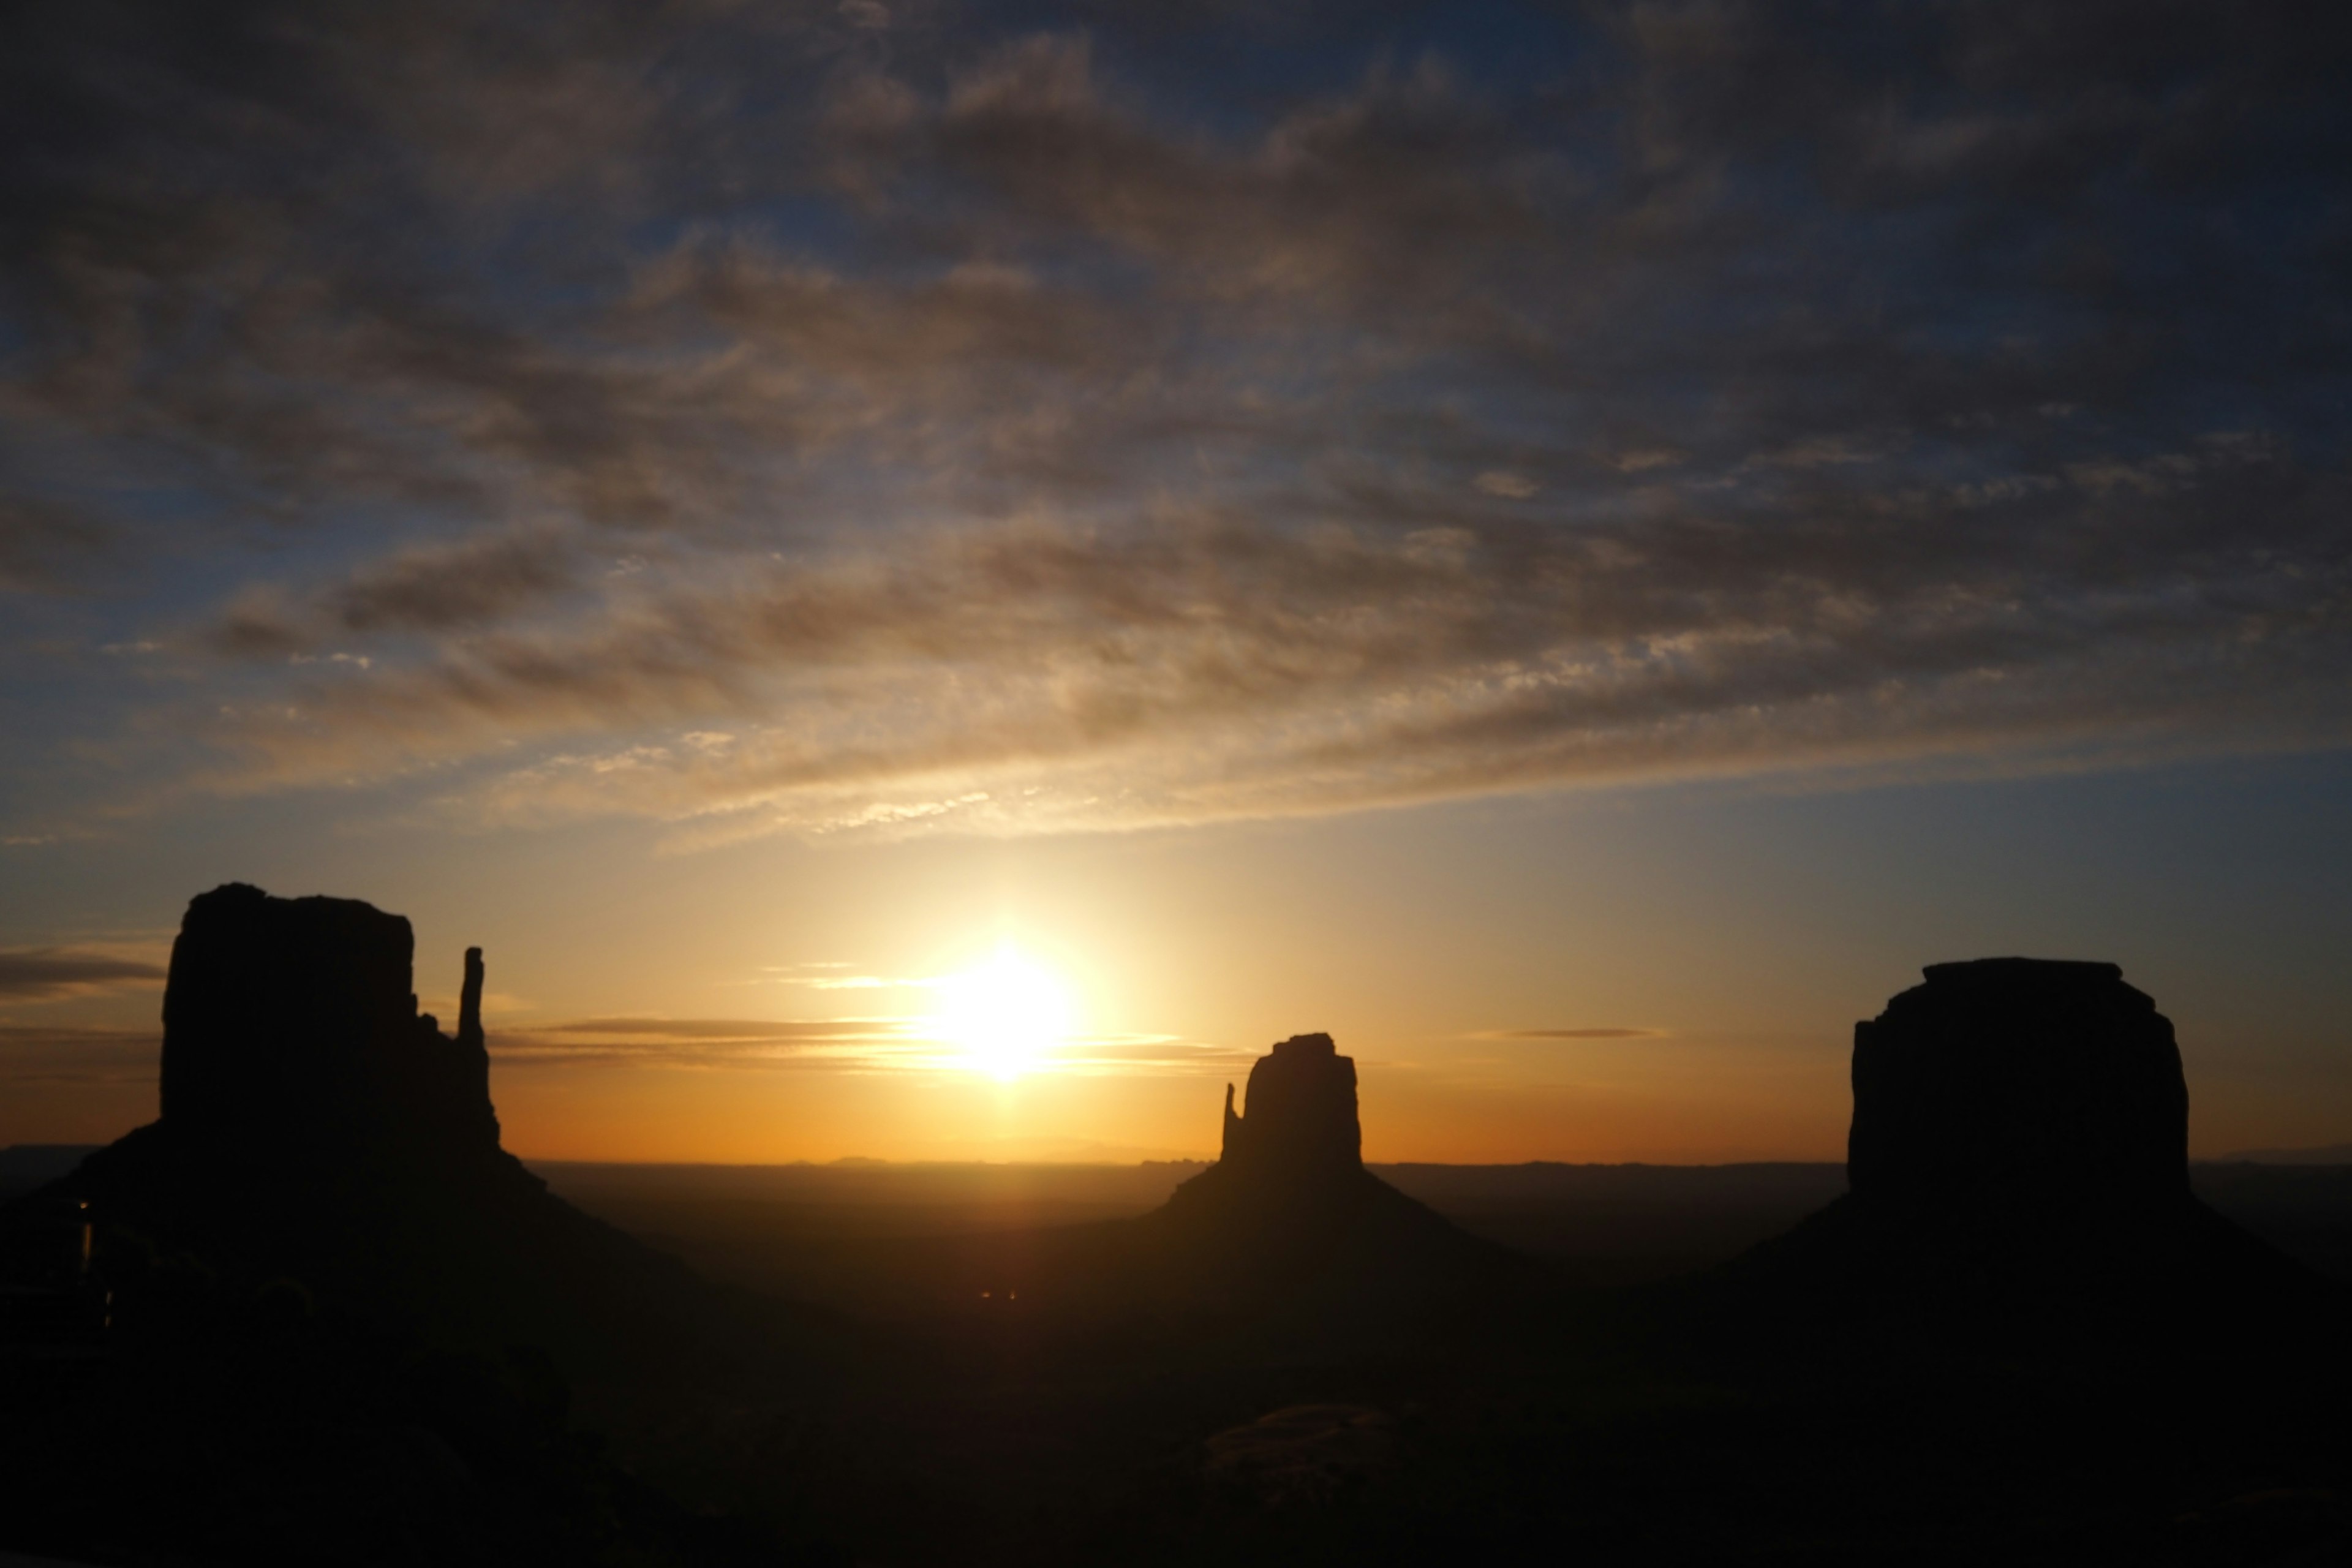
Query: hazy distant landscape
point(863, 1230)
point(821, 1229)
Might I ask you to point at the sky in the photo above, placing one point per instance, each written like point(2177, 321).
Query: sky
point(927, 580)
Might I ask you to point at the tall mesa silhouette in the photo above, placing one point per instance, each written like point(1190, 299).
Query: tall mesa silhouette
point(317, 1130)
point(341, 1322)
point(2018, 1175)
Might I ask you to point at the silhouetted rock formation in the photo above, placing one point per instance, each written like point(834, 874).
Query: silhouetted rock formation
point(2019, 1079)
point(1302, 1122)
point(317, 1128)
point(1289, 1215)
point(290, 1021)
point(338, 1320)
point(2017, 1169)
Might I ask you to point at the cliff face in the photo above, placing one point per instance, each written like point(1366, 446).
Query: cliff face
point(293, 1022)
point(284, 1261)
point(1289, 1218)
point(318, 1128)
point(2017, 1167)
point(2011, 1079)
point(1301, 1120)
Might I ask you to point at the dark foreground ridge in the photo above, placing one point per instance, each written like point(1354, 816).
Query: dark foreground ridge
point(2018, 1169)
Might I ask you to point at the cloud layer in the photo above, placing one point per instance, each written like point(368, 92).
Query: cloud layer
point(49, 973)
point(817, 420)
point(840, 1044)
point(32, 1054)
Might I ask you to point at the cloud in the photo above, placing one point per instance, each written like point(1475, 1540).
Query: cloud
point(32, 1054)
point(837, 976)
point(421, 589)
point(1015, 431)
point(47, 544)
point(465, 583)
point(1060, 676)
point(1573, 1035)
point(843, 1045)
point(1510, 486)
point(47, 973)
point(763, 1031)
point(715, 1044)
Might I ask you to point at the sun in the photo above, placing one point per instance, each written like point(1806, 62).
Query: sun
point(1004, 1014)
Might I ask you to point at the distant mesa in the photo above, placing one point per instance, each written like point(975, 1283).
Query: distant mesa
point(2018, 1164)
point(1289, 1214)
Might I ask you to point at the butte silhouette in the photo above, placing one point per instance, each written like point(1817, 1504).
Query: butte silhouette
point(1289, 1215)
point(2018, 1172)
point(341, 1323)
point(316, 1130)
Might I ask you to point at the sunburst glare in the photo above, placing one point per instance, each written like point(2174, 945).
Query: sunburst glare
point(1004, 1014)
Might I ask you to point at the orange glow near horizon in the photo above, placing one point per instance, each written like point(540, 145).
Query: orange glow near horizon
point(1513, 985)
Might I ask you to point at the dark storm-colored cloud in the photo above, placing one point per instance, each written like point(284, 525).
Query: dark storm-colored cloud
point(44, 973)
point(809, 418)
point(421, 589)
point(45, 544)
point(472, 582)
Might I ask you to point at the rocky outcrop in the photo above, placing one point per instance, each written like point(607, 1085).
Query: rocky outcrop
point(1301, 1122)
point(1288, 1217)
point(2017, 1173)
point(293, 1021)
point(469, 1006)
point(317, 1128)
point(2019, 1079)
point(335, 1321)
